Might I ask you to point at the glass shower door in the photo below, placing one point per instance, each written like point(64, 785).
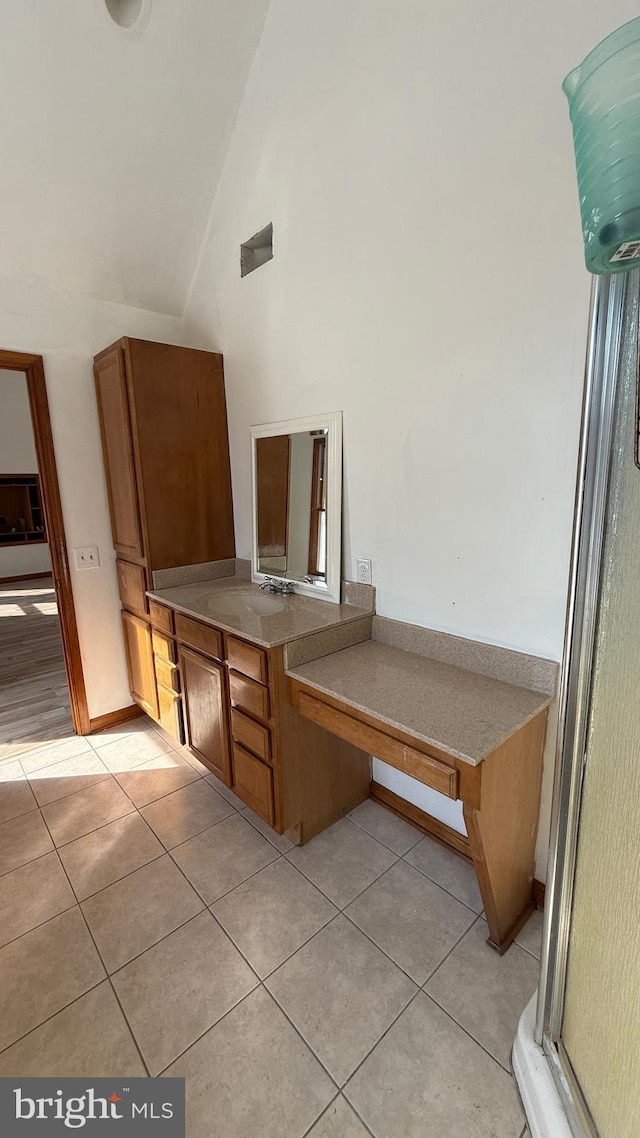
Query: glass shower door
point(589, 1011)
point(600, 1033)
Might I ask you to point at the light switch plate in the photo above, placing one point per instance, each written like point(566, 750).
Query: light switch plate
point(87, 557)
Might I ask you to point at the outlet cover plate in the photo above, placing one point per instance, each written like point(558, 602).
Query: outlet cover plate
point(363, 571)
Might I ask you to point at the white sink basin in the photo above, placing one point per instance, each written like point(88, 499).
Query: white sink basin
point(241, 601)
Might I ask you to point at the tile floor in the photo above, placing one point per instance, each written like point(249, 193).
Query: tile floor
point(152, 924)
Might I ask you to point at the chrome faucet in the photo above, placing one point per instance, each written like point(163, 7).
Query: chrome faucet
point(277, 585)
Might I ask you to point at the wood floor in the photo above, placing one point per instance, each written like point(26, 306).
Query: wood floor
point(34, 698)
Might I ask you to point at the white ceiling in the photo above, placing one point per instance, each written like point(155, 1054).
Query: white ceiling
point(112, 143)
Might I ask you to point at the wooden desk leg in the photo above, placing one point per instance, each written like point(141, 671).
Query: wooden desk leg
point(502, 833)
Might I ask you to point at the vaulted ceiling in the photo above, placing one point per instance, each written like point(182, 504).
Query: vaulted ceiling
point(112, 141)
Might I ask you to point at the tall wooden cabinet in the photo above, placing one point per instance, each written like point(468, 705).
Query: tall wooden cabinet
point(163, 422)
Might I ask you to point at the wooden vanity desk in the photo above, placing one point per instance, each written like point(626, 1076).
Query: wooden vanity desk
point(470, 736)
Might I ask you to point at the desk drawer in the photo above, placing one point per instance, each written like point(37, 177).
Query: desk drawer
point(164, 647)
point(161, 617)
point(253, 735)
point(249, 695)
point(247, 659)
point(253, 783)
point(201, 636)
point(431, 772)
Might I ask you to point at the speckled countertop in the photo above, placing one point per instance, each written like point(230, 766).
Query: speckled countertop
point(463, 713)
point(226, 602)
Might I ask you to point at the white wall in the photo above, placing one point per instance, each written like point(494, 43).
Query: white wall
point(68, 330)
point(416, 161)
point(18, 456)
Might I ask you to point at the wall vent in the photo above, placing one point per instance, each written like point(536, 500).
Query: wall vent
point(256, 251)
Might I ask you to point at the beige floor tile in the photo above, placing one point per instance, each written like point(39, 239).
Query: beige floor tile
point(225, 792)
point(187, 812)
point(447, 869)
point(100, 858)
point(121, 731)
point(327, 990)
point(66, 777)
point(155, 900)
point(44, 970)
point(16, 796)
point(31, 895)
point(530, 937)
point(90, 1038)
point(132, 750)
point(339, 1121)
point(484, 992)
point(427, 1077)
point(23, 839)
point(78, 814)
point(273, 914)
point(156, 778)
point(179, 988)
point(280, 841)
point(194, 761)
point(54, 753)
point(220, 858)
point(342, 861)
point(11, 771)
point(253, 1066)
point(412, 919)
point(382, 824)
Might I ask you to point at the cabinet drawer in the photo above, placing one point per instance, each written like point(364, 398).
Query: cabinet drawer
point(161, 617)
point(167, 674)
point(247, 659)
point(170, 713)
point(200, 636)
point(253, 783)
point(249, 695)
point(164, 647)
point(254, 736)
point(132, 585)
point(431, 772)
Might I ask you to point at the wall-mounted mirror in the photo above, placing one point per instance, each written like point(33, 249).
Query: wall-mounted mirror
point(297, 503)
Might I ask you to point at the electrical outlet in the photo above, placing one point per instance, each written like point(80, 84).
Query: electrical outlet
point(363, 569)
point(87, 557)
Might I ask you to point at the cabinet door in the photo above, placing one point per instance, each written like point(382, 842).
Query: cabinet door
point(205, 705)
point(142, 676)
point(117, 447)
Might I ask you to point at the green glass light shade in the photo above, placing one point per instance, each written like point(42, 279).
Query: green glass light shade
point(604, 105)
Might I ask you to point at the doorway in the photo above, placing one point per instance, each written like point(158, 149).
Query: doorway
point(32, 527)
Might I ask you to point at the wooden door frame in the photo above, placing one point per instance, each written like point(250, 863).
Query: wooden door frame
point(32, 367)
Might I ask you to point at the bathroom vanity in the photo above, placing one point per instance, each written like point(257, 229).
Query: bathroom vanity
point(285, 698)
point(219, 646)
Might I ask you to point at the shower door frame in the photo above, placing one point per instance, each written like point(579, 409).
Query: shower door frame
point(609, 298)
